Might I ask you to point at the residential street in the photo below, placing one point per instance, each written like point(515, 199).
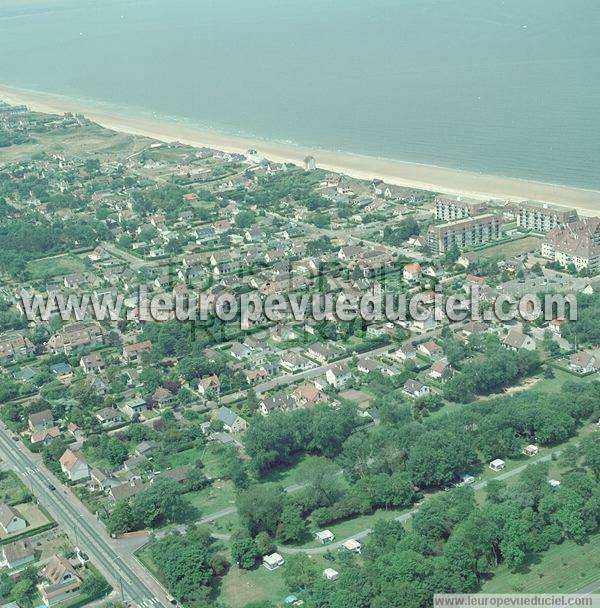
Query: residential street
point(116, 563)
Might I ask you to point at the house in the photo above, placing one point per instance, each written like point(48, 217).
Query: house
point(273, 561)
point(76, 335)
point(330, 574)
point(412, 272)
point(209, 385)
point(132, 353)
point(255, 376)
point(40, 421)
point(17, 554)
point(337, 375)
point(108, 417)
point(145, 447)
point(585, 362)
point(352, 546)
point(439, 369)
point(232, 423)
point(530, 450)
point(277, 403)
point(515, 340)
point(73, 465)
point(294, 362)
point(45, 436)
point(405, 352)
point(430, 349)
point(100, 481)
point(63, 372)
point(135, 407)
point(14, 346)
point(240, 351)
point(415, 389)
point(497, 464)
point(307, 394)
point(162, 396)
point(325, 536)
point(10, 521)
point(59, 581)
point(92, 363)
point(126, 490)
point(321, 352)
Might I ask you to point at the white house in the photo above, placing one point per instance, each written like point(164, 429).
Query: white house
point(73, 465)
point(10, 520)
point(497, 464)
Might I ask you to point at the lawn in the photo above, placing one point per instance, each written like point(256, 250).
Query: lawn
point(59, 265)
point(512, 248)
point(240, 587)
point(12, 491)
point(219, 495)
point(563, 568)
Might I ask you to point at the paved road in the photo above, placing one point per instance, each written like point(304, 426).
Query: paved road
point(286, 379)
point(406, 516)
point(117, 565)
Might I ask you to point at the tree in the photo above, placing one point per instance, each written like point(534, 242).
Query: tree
point(174, 555)
point(300, 572)
point(244, 553)
point(93, 585)
point(292, 528)
point(264, 543)
point(161, 502)
point(260, 507)
point(121, 519)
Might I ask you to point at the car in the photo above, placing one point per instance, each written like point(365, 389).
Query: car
point(15, 438)
point(51, 487)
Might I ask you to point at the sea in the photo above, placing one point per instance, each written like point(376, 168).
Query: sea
point(502, 87)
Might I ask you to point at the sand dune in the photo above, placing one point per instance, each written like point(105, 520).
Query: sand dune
point(438, 179)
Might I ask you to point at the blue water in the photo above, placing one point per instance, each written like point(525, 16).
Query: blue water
point(508, 87)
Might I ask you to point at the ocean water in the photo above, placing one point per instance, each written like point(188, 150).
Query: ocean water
point(507, 87)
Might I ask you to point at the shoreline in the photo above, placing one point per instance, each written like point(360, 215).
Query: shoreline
point(400, 173)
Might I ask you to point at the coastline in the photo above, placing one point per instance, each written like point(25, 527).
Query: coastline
point(400, 173)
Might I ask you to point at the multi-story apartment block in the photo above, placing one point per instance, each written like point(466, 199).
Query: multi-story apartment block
point(576, 243)
point(464, 233)
point(450, 208)
point(542, 217)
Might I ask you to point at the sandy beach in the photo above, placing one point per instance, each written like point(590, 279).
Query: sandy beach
point(438, 179)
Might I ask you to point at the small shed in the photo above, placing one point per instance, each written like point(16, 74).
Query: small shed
point(330, 574)
point(352, 545)
point(273, 561)
point(497, 465)
point(530, 450)
point(325, 536)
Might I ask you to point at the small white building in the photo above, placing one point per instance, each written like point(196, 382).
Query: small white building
point(325, 536)
point(352, 545)
point(330, 574)
point(530, 450)
point(273, 561)
point(497, 465)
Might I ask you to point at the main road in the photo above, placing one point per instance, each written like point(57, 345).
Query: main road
point(117, 564)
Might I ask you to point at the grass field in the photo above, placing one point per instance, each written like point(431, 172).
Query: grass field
point(215, 497)
point(12, 491)
point(511, 248)
point(240, 587)
point(88, 141)
point(563, 568)
point(55, 266)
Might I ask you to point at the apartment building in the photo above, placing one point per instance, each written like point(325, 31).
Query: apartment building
point(450, 208)
point(576, 243)
point(542, 217)
point(468, 232)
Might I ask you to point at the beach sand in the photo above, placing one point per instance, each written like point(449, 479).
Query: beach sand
point(427, 177)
